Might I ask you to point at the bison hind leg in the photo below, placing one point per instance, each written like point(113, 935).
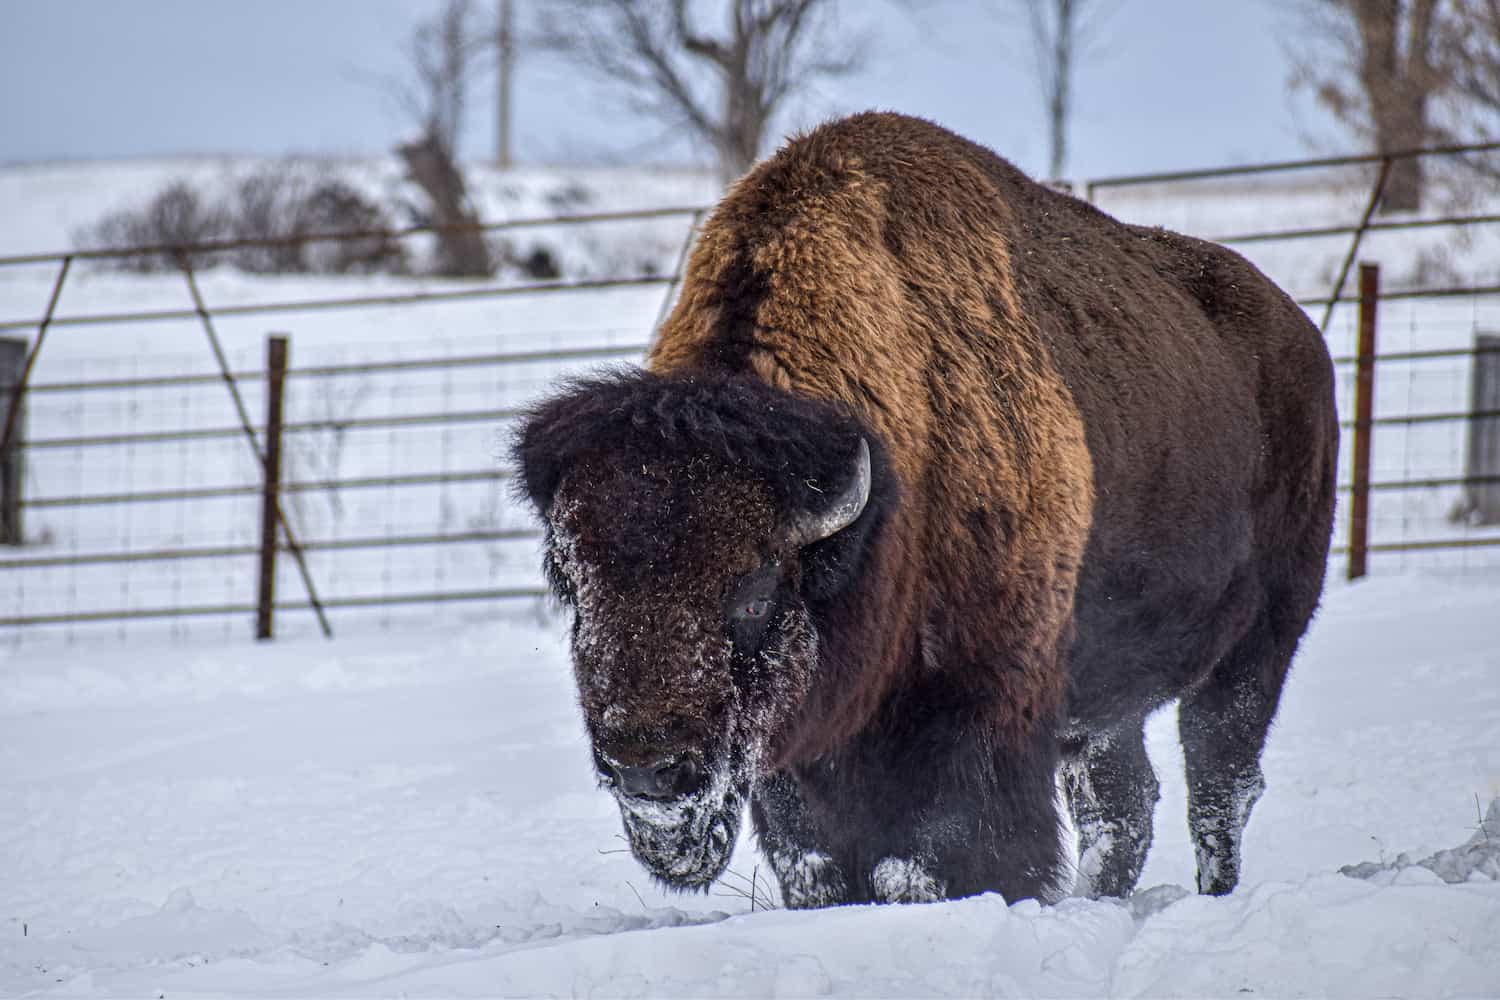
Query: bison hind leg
point(1112, 792)
point(1223, 727)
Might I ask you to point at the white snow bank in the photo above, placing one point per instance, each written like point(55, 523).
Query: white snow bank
point(413, 814)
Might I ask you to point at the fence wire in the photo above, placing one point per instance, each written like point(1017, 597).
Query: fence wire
point(141, 501)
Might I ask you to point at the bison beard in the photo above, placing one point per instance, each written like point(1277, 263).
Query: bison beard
point(686, 843)
point(937, 484)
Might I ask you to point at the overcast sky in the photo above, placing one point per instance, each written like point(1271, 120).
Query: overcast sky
point(1165, 84)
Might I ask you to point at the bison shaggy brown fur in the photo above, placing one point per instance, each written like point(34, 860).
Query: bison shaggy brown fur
point(937, 482)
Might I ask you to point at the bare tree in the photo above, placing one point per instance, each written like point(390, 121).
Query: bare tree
point(463, 251)
point(725, 87)
point(445, 54)
point(1375, 65)
point(1058, 37)
point(505, 59)
point(1469, 43)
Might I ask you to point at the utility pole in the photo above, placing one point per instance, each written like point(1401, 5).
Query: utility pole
point(504, 40)
point(1057, 110)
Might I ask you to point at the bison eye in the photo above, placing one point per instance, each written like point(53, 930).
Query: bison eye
point(749, 607)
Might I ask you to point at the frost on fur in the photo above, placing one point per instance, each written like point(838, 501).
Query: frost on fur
point(808, 879)
point(1217, 833)
point(903, 880)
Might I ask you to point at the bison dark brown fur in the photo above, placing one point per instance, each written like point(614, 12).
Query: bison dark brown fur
point(1100, 478)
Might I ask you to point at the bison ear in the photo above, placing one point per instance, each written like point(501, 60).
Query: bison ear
point(814, 526)
point(537, 462)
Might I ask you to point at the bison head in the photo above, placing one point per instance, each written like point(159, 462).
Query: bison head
point(698, 527)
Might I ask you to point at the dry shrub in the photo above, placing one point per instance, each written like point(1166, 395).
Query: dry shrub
point(282, 203)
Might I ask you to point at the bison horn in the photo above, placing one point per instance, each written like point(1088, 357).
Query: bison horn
point(842, 512)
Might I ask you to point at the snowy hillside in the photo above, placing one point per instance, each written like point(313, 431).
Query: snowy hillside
point(413, 814)
point(48, 205)
point(44, 204)
point(51, 206)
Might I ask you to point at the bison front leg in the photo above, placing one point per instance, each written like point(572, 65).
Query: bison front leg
point(814, 872)
point(946, 812)
point(805, 868)
point(972, 816)
point(1112, 792)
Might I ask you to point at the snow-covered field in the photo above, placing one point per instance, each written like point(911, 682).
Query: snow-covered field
point(413, 814)
point(44, 205)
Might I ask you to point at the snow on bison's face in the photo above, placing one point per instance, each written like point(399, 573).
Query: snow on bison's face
point(693, 645)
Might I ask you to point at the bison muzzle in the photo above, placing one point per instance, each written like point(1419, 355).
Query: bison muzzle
point(937, 482)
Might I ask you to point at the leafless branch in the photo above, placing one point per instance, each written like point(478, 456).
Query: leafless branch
point(1402, 74)
point(724, 87)
point(1061, 30)
point(444, 55)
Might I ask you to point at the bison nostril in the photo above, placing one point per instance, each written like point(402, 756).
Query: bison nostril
point(685, 777)
point(664, 779)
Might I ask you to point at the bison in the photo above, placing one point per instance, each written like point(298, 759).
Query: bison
point(936, 483)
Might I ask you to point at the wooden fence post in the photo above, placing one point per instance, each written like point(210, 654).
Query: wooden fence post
point(12, 368)
point(1364, 410)
point(265, 605)
point(1483, 466)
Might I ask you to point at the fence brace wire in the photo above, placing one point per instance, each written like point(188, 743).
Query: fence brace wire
point(18, 391)
point(260, 455)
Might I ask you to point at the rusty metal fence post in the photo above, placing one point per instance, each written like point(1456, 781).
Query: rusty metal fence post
point(12, 373)
point(15, 397)
point(200, 309)
point(1364, 410)
point(1482, 465)
point(265, 605)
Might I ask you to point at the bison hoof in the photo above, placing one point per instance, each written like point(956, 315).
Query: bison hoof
point(809, 879)
point(902, 880)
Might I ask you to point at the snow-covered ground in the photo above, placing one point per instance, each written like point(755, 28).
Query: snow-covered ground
point(409, 810)
point(413, 814)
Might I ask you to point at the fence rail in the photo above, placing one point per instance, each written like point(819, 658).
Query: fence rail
point(294, 306)
point(254, 489)
point(1094, 186)
point(204, 247)
point(233, 551)
point(438, 558)
point(360, 368)
point(218, 610)
point(1321, 232)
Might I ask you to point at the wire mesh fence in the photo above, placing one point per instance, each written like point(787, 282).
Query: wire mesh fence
point(145, 506)
point(1305, 223)
point(1424, 473)
point(141, 493)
